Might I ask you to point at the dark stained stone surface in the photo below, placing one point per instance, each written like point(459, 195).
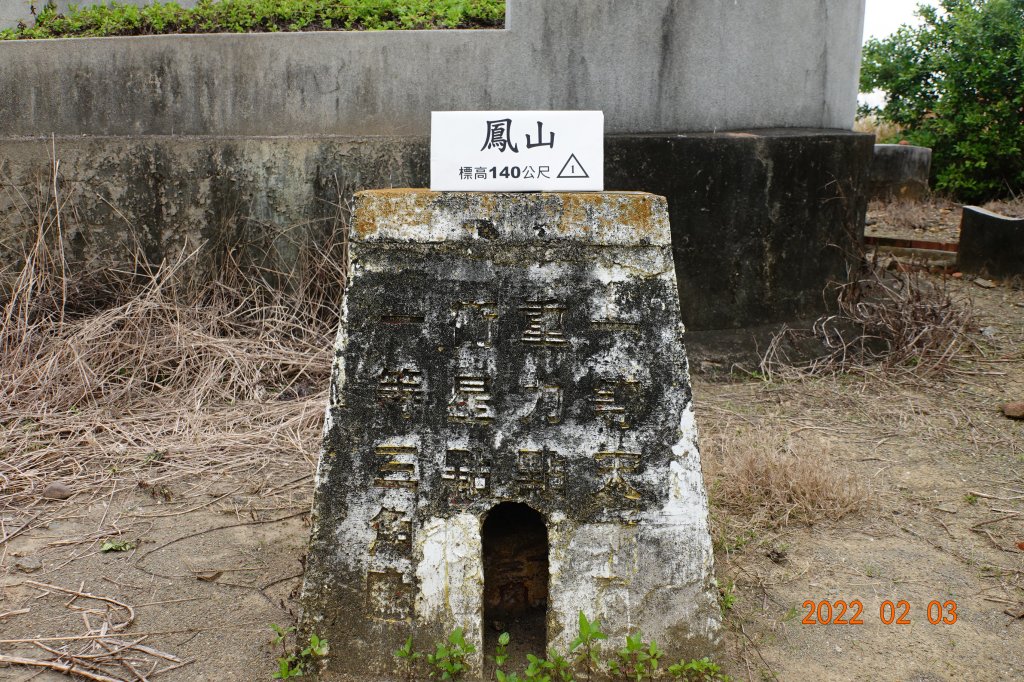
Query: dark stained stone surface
point(508, 348)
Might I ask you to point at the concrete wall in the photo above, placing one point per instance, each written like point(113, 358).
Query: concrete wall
point(252, 142)
point(650, 65)
point(761, 220)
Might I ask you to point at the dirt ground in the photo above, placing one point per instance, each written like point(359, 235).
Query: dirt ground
point(945, 520)
point(211, 559)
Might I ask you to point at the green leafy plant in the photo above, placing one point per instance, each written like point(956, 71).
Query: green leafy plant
point(697, 670)
point(288, 666)
point(954, 84)
point(561, 668)
point(280, 634)
point(410, 658)
point(317, 648)
point(118, 546)
point(448, 660)
point(585, 646)
point(242, 16)
point(727, 591)
point(501, 650)
point(296, 664)
point(638, 660)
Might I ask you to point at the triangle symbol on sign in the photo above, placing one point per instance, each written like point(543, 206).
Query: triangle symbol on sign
point(573, 169)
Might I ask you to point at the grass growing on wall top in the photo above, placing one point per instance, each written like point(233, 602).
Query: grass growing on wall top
point(260, 16)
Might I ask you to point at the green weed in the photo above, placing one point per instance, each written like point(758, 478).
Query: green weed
point(291, 664)
point(638, 660)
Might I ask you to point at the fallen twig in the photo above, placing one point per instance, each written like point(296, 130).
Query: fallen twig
point(66, 668)
point(86, 595)
point(995, 520)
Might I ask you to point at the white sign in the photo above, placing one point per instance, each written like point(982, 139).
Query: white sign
point(517, 151)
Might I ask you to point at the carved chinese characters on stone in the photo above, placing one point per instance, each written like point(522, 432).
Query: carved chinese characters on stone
point(402, 388)
point(614, 401)
point(403, 318)
point(397, 467)
point(394, 533)
point(466, 474)
point(474, 322)
point(544, 323)
point(539, 471)
point(548, 401)
point(508, 382)
point(471, 400)
point(614, 467)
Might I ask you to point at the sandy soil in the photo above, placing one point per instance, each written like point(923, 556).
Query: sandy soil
point(215, 563)
point(945, 523)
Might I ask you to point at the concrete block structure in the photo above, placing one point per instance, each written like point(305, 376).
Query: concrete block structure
point(510, 437)
point(900, 171)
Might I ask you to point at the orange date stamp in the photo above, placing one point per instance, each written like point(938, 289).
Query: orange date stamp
point(842, 612)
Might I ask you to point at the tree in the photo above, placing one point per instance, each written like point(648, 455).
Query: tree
point(956, 84)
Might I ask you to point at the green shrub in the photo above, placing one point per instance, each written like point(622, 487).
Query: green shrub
point(248, 16)
point(956, 84)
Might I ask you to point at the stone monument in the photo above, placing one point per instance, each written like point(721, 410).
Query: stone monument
point(990, 244)
point(510, 436)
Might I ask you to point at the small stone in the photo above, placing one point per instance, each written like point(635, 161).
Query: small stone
point(985, 283)
point(989, 332)
point(28, 564)
point(1014, 410)
point(958, 275)
point(57, 491)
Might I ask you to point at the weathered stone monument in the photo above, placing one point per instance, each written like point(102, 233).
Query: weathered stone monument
point(900, 171)
point(510, 437)
point(990, 244)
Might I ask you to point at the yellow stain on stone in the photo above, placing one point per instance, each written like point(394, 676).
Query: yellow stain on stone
point(627, 218)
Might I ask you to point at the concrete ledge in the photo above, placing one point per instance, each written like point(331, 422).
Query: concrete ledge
point(991, 244)
point(652, 66)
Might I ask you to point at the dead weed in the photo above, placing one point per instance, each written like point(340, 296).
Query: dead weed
point(1012, 207)
point(145, 375)
point(889, 317)
point(770, 479)
point(905, 214)
point(882, 130)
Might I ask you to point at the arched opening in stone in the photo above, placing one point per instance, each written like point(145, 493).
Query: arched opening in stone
point(515, 560)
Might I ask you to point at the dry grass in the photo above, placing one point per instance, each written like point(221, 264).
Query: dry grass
point(1013, 207)
point(910, 215)
point(882, 130)
point(144, 376)
point(769, 478)
point(891, 318)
